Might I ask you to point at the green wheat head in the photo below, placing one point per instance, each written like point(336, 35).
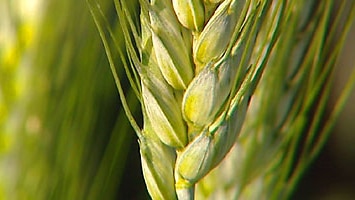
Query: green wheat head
point(246, 77)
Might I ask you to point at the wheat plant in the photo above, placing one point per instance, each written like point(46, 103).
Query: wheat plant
point(233, 95)
point(248, 75)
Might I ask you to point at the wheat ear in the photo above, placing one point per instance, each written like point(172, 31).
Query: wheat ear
point(192, 61)
point(195, 65)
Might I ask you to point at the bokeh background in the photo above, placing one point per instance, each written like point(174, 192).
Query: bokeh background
point(332, 175)
point(63, 133)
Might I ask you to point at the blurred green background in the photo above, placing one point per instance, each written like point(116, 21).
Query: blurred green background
point(332, 175)
point(63, 134)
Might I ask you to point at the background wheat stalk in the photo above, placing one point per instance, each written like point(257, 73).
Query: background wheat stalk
point(60, 105)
